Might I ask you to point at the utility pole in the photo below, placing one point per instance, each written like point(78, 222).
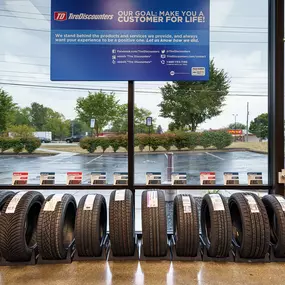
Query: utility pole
point(235, 115)
point(247, 121)
point(72, 128)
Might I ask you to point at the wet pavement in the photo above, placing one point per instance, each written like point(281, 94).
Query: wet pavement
point(191, 163)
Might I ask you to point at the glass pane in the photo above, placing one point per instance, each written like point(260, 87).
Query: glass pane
point(59, 114)
point(220, 126)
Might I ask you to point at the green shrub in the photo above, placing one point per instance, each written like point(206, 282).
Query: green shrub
point(155, 141)
point(114, 143)
point(192, 140)
point(18, 145)
point(123, 141)
point(222, 139)
point(143, 140)
point(104, 143)
point(90, 144)
point(206, 139)
point(180, 140)
point(5, 143)
point(31, 144)
point(167, 141)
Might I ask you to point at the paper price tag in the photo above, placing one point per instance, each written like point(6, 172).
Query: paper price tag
point(281, 200)
point(153, 178)
point(120, 178)
point(51, 204)
point(207, 178)
point(98, 178)
point(152, 201)
point(74, 178)
point(20, 178)
point(254, 178)
point(47, 178)
point(178, 178)
point(186, 204)
point(120, 195)
point(252, 204)
point(217, 202)
point(231, 178)
point(14, 202)
point(89, 202)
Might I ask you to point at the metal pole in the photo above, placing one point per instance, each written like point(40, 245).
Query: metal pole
point(169, 165)
point(275, 94)
point(235, 115)
point(149, 139)
point(131, 148)
point(247, 121)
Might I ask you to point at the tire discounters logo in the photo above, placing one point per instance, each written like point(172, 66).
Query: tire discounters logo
point(62, 16)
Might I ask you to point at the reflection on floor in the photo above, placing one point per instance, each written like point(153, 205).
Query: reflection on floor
point(124, 273)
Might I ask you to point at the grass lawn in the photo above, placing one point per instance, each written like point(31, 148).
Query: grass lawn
point(38, 151)
point(253, 146)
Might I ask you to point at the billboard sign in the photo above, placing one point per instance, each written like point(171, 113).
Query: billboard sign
point(130, 40)
point(235, 132)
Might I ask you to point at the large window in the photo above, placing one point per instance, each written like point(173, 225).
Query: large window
point(214, 127)
point(220, 126)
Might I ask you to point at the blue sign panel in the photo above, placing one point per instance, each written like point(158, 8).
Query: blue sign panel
point(158, 40)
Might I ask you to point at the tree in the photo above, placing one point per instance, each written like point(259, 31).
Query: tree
point(38, 115)
point(7, 109)
point(100, 106)
point(189, 104)
point(22, 131)
point(159, 130)
point(238, 126)
point(56, 123)
point(259, 126)
point(120, 123)
point(22, 116)
point(79, 127)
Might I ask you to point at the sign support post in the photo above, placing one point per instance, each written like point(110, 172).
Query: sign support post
point(131, 137)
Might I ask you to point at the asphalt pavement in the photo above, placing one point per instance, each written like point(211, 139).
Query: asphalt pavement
point(191, 163)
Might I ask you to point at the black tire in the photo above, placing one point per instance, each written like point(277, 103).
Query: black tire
point(90, 225)
point(186, 226)
point(154, 226)
point(18, 229)
point(56, 228)
point(216, 225)
point(121, 224)
point(251, 230)
point(276, 216)
point(4, 196)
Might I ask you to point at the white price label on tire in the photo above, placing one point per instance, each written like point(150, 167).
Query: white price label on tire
point(252, 204)
point(217, 202)
point(281, 201)
point(186, 204)
point(152, 201)
point(51, 204)
point(89, 202)
point(120, 195)
point(14, 202)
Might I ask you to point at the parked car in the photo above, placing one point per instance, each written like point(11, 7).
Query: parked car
point(44, 140)
point(74, 139)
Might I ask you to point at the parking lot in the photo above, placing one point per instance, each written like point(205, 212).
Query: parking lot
point(190, 162)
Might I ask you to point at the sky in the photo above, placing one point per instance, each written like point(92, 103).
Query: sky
point(238, 45)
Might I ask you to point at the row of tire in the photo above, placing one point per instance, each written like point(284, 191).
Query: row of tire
point(28, 220)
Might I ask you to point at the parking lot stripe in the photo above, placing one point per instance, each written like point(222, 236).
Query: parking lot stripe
point(215, 156)
point(94, 159)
